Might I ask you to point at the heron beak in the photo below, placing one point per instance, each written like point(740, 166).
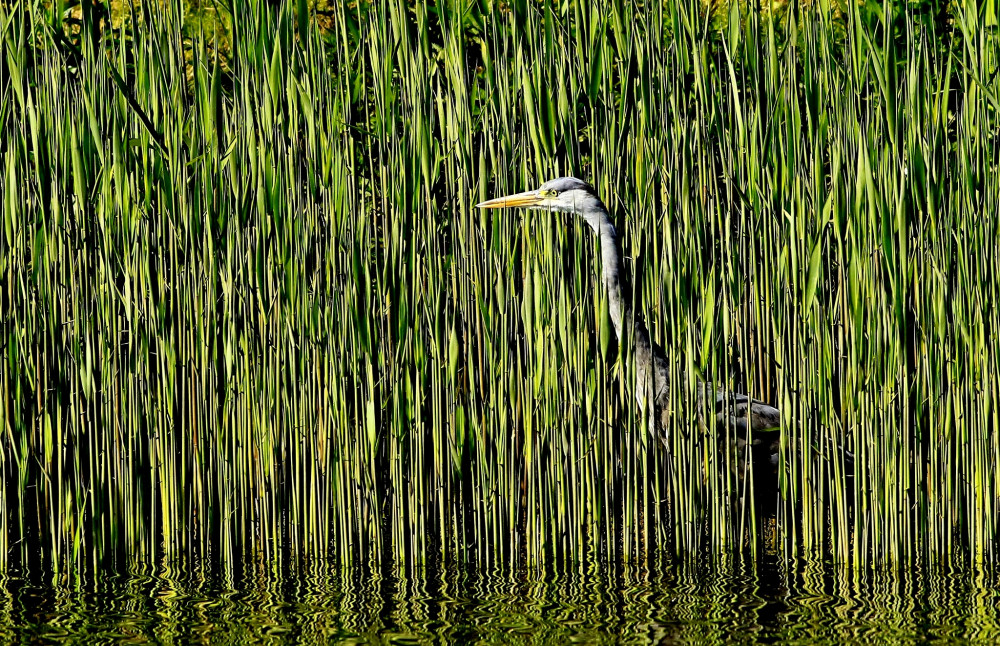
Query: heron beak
point(528, 198)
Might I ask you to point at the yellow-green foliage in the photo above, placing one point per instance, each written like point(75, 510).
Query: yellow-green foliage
point(248, 306)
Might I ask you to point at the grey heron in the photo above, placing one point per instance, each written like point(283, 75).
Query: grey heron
point(741, 413)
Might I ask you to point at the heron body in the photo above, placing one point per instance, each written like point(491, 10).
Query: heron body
point(736, 411)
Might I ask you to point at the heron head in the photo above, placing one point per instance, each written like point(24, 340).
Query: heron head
point(564, 194)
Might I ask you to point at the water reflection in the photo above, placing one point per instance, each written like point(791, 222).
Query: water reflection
point(689, 602)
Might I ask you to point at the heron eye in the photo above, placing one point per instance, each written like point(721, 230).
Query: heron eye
point(547, 193)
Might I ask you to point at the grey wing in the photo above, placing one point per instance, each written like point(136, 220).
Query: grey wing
point(737, 411)
point(742, 412)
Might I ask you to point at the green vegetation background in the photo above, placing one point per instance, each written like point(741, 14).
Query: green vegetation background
point(248, 307)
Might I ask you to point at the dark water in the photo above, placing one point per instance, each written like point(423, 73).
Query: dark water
point(690, 603)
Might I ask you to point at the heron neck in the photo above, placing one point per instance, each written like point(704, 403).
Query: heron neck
point(612, 272)
point(619, 304)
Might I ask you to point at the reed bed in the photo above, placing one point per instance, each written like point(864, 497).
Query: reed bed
point(249, 310)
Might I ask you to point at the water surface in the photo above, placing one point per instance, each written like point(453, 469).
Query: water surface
point(666, 603)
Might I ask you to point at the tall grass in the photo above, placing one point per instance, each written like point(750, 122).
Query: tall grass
point(250, 310)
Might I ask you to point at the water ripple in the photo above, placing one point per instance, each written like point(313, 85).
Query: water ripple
point(666, 602)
